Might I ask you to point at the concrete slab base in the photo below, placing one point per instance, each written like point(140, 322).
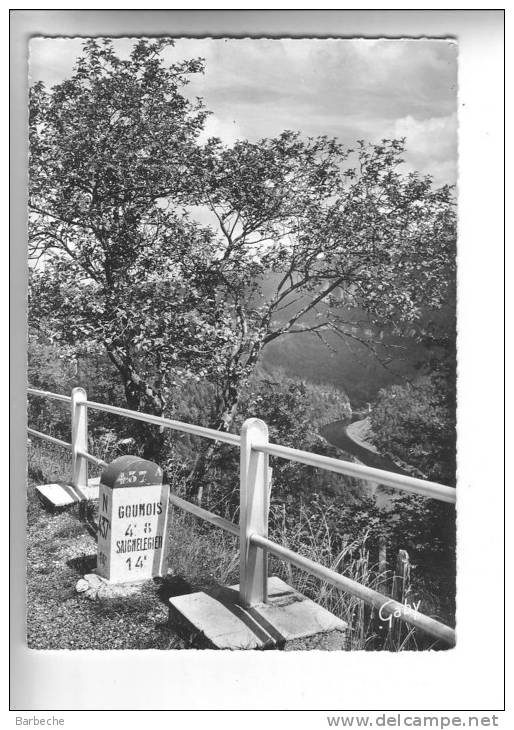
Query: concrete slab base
point(216, 620)
point(60, 494)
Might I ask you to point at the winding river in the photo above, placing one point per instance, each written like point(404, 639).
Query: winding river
point(353, 439)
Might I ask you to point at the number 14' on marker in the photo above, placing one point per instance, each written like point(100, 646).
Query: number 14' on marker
point(137, 564)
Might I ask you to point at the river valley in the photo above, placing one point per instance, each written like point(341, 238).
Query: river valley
point(352, 438)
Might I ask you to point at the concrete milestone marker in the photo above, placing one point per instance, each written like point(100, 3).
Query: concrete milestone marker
point(133, 511)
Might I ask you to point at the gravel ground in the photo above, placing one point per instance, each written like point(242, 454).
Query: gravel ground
point(60, 550)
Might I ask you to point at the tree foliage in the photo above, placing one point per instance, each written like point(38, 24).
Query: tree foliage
point(416, 422)
point(304, 231)
point(327, 230)
point(293, 412)
point(109, 149)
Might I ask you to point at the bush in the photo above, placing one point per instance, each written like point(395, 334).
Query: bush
point(416, 423)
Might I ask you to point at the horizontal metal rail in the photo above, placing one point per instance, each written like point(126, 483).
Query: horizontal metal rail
point(339, 466)
point(92, 459)
point(48, 394)
point(210, 433)
point(51, 439)
point(204, 514)
point(384, 604)
point(369, 473)
point(379, 601)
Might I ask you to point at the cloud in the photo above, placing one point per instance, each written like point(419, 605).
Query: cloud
point(227, 131)
point(52, 59)
point(431, 145)
point(350, 89)
point(347, 89)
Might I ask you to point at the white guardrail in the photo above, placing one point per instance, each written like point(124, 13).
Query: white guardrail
point(252, 530)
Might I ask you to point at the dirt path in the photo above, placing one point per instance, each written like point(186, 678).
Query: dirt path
point(59, 552)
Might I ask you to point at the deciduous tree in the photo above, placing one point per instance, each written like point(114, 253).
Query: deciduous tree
point(115, 262)
point(313, 236)
point(307, 234)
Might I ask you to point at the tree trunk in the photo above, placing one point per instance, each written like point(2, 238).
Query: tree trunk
point(141, 397)
point(222, 420)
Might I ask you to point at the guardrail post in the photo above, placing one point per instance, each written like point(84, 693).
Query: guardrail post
point(254, 501)
point(78, 437)
point(401, 589)
point(382, 563)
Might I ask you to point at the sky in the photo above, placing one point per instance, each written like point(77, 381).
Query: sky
point(349, 89)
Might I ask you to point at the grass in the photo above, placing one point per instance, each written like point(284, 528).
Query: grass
point(205, 556)
point(61, 550)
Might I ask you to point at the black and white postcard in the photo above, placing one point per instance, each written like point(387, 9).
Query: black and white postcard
point(246, 261)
